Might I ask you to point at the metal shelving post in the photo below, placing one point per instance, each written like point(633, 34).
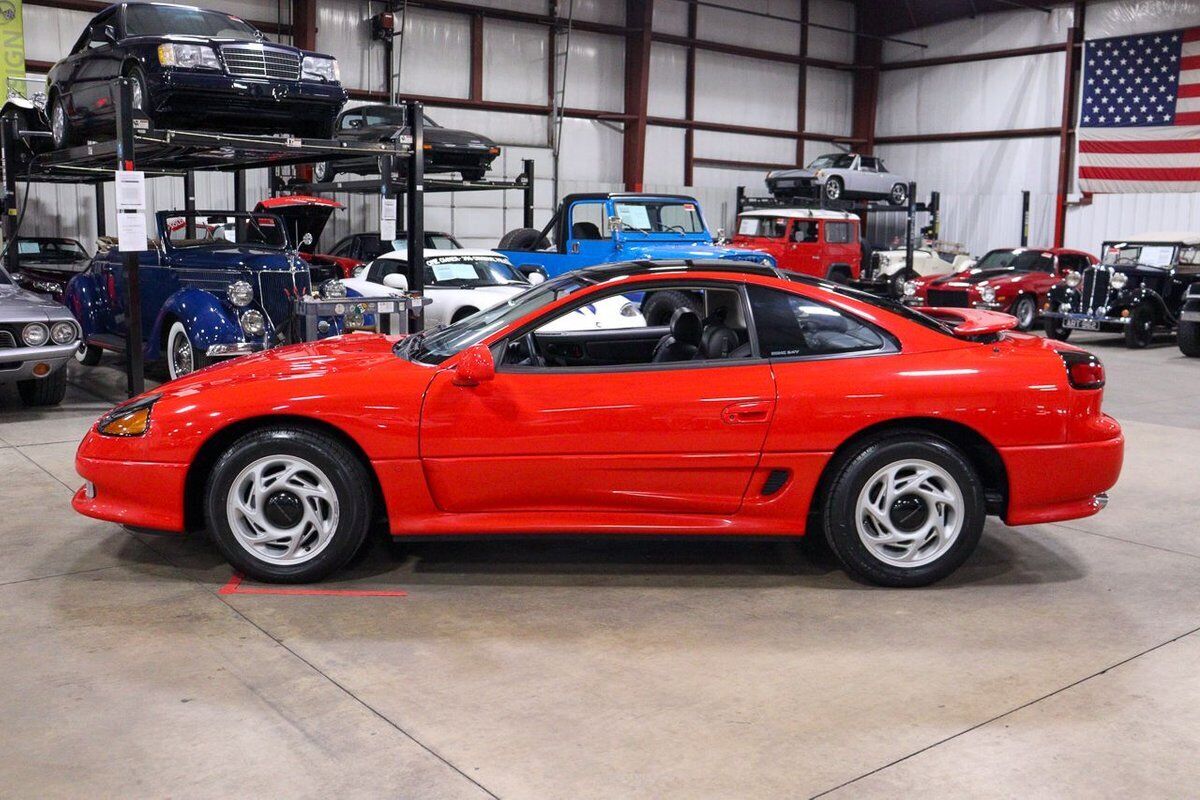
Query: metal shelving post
point(414, 207)
point(135, 373)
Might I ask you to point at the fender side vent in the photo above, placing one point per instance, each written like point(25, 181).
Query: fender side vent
point(775, 481)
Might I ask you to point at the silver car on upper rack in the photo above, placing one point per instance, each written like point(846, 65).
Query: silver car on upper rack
point(839, 176)
point(37, 339)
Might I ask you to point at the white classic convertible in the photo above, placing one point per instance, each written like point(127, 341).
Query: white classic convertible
point(461, 282)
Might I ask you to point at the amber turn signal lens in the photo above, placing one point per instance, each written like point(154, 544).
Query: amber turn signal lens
point(135, 423)
point(41, 369)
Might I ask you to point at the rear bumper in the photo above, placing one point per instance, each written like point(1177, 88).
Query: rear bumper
point(1053, 483)
point(135, 493)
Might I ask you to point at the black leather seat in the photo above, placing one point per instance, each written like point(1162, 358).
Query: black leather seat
point(718, 341)
point(683, 342)
point(585, 230)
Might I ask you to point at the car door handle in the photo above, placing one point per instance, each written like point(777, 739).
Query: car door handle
point(755, 411)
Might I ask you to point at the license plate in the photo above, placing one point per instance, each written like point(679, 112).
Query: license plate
point(1190, 316)
point(1082, 324)
point(387, 308)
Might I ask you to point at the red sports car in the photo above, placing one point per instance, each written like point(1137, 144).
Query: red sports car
point(788, 406)
point(1015, 280)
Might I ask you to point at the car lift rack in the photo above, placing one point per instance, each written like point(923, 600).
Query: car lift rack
point(162, 152)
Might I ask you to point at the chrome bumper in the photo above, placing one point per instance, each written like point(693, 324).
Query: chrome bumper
point(233, 350)
point(18, 363)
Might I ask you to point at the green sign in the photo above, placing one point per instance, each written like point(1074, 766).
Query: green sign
point(12, 46)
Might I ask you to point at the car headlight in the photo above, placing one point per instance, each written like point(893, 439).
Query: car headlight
point(1118, 280)
point(187, 56)
point(1072, 279)
point(322, 68)
point(35, 334)
point(910, 288)
point(130, 419)
point(819, 174)
point(355, 316)
point(240, 293)
point(629, 310)
point(333, 289)
point(253, 323)
point(63, 332)
point(1064, 308)
point(988, 293)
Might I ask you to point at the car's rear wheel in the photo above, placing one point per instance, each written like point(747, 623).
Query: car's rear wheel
point(899, 194)
point(182, 356)
point(288, 505)
point(62, 132)
point(905, 509)
point(324, 172)
point(463, 313)
point(1189, 339)
point(1055, 329)
point(88, 354)
point(1139, 332)
point(1025, 310)
point(834, 188)
point(47, 391)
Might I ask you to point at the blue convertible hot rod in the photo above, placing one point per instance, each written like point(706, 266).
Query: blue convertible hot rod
point(215, 284)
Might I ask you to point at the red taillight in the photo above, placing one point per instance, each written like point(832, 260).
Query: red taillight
point(1084, 370)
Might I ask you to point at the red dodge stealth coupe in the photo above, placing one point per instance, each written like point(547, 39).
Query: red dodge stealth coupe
point(787, 406)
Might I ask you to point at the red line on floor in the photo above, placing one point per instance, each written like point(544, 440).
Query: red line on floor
point(234, 586)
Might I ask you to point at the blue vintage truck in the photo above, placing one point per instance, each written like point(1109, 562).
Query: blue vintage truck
point(591, 229)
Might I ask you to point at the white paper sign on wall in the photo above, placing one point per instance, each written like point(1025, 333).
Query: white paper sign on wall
point(131, 211)
point(387, 219)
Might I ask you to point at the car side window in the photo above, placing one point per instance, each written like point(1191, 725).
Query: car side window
point(805, 232)
point(837, 232)
point(382, 267)
point(791, 326)
point(588, 221)
point(348, 120)
point(869, 164)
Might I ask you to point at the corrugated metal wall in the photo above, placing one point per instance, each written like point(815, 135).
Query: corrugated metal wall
point(435, 62)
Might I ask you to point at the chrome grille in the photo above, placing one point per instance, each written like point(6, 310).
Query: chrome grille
point(277, 291)
point(1093, 291)
point(7, 340)
point(946, 298)
point(259, 61)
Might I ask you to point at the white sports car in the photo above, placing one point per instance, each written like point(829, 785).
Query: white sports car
point(840, 176)
point(461, 282)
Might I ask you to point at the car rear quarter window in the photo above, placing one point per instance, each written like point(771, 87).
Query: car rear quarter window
point(790, 326)
point(838, 232)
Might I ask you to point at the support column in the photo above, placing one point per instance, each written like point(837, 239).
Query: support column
point(477, 57)
point(304, 24)
point(414, 208)
point(9, 137)
point(689, 101)
point(1066, 134)
point(135, 371)
point(802, 88)
point(639, 15)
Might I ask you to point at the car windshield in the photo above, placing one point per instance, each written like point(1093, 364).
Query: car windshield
point(433, 241)
point(459, 272)
point(247, 230)
point(164, 20)
point(763, 227)
point(1148, 255)
point(833, 161)
point(50, 250)
point(1015, 259)
point(436, 346)
point(659, 216)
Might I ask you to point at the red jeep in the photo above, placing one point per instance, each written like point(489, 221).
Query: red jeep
point(812, 241)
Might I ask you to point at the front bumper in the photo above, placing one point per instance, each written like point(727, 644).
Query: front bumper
point(234, 350)
point(1190, 316)
point(18, 363)
point(243, 103)
point(135, 493)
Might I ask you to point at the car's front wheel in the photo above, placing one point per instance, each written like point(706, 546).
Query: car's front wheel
point(288, 504)
point(324, 172)
point(1025, 310)
point(834, 188)
point(1055, 329)
point(1139, 331)
point(88, 354)
point(182, 356)
point(1189, 339)
point(899, 194)
point(47, 391)
point(905, 509)
point(62, 131)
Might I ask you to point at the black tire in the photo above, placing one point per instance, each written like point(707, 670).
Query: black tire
point(135, 75)
point(1025, 310)
point(88, 354)
point(838, 274)
point(47, 391)
point(466, 311)
point(851, 473)
point(523, 239)
point(344, 472)
point(64, 134)
point(899, 194)
point(1055, 330)
point(473, 174)
point(834, 188)
point(658, 307)
point(324, 172)
point(1139, 332)
point(897, 281)
point(1189, 339)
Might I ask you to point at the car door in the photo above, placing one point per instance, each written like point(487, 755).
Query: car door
point(98, 65)
point(589, 238)
point(651, 438)
point(803, 246)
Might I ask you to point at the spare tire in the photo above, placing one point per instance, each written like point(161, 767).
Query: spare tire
point(523, 239)
point(659, 307)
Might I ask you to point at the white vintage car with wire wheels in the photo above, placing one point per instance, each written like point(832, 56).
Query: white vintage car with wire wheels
point(460, 283)
point(891, 266)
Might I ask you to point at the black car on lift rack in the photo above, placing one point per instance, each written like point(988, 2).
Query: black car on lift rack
point(446, 149)
point(1138, 288)
point(192, 68)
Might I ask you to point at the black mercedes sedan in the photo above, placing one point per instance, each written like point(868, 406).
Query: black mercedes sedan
point(191, 68)
point(446, 149)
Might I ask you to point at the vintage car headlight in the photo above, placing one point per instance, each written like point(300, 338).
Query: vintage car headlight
point(187, 56)
point(253, 323)
point(35, 334)
point(323, 68)
point(63, 332)
point(333, 289)
point(1072, 279)
point(909, 288)
point(629, 310)
point(240, 293)
point(355, 316)
point(1118, 280)
point(130, 419)
point(988, 293)
point(819, 174)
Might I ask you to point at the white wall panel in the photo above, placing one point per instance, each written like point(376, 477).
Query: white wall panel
point(516, 58)
point(525, 6)
point(606, 11)
point(507, 129)
point(668, 81)
point(50, 32)
point(829, 97)
point(997, 31)
point(436, 55)
point(343, 31)
point(590, 151)
point(664, 155)
point(984, 95)
point(746, 91)
point(670, 16)
point(1113, 216)
point(1124, 17)
point(733, 27)
point(596, 72)
point(832, 45)
point(736, 147)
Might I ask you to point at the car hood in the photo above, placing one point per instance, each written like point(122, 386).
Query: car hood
point(18, 304)
point(963, 280)
point(696, 250)
point(57, 270)
point(790, 173)
point(231, 256)
point(443, 137)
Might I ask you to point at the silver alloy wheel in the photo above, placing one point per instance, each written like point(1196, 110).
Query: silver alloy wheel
point(833, 189)
point(58, 123)
point(282, 510)
point(182, 359)
point(1025, 310)
point(909, 513)
point(899, 194)
point(135, 92)
point(320, 170)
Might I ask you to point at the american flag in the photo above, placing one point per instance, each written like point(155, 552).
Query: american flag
point(1139, 117)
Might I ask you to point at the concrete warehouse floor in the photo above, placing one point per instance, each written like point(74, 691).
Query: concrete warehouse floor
point(1061, 661)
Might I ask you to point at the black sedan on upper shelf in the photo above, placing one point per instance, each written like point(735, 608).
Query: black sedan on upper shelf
point(446, 149)
point(47, 264)
point(190, 68)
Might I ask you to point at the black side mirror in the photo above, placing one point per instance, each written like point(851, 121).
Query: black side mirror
point(356, 123)
point(110, 34)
